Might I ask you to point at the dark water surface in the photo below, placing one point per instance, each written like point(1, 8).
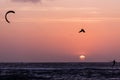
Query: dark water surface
point(59, 71)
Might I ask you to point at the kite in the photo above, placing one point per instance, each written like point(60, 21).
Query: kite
point(7, 14)
point(82, 30)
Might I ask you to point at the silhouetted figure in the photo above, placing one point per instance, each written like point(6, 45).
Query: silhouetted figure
point(82, 30)
point(113, 63)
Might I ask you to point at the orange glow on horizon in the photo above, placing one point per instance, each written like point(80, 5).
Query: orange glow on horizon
point(82, 57)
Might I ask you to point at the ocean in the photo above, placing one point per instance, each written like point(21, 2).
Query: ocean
point(60, 71)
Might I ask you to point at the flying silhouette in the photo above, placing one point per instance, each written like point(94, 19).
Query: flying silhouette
point(82, 30)
point(7, 14)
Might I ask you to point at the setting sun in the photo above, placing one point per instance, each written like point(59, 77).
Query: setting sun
point(82, 57)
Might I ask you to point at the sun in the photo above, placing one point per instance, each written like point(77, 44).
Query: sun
point(82, 57)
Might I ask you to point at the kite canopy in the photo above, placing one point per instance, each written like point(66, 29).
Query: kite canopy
point(7, 14)
point(82, 30)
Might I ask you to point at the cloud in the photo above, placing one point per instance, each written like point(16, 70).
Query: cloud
point(33, 1)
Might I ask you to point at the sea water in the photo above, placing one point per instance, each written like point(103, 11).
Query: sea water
point(59, 71)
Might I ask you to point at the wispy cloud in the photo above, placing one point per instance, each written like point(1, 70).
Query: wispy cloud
point(87, 20)
point(88, 9)
point(33, 1)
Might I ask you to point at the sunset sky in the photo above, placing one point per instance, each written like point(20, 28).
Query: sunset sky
point(47, 30)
